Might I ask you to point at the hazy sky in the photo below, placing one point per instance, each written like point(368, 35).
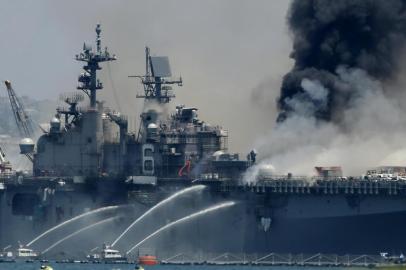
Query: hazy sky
point(231, 54)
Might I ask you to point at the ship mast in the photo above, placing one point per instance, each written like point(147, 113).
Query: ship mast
point(88, 81)
point(157, 83)
point(156, 80)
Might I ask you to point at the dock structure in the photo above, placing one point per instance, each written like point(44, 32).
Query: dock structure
point(276, 259)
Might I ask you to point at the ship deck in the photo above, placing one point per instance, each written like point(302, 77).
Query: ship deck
point(315, 185)
point(274, 184)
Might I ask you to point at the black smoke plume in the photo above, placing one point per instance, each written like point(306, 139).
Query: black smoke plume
point(353, 34)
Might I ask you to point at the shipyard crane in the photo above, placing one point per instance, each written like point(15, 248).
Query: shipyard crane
point(23, 122)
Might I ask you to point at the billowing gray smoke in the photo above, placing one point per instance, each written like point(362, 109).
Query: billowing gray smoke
point(342, 103)
point(355, 34)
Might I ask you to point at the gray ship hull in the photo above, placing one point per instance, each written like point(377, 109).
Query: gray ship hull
point(359, 234)
point(259, 223)
point(293, 223)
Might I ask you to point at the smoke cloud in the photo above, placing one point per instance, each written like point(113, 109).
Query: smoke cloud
point(368, 35)
point(340, 103)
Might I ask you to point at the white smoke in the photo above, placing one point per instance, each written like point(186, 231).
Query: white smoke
point(318, 94)
point(371, 131)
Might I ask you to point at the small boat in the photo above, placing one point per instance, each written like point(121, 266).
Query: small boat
point(6, 256)
point(26, 254)
point(109, 255)
point(147, 260)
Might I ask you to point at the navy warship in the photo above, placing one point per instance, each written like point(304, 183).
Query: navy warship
point(86, 158)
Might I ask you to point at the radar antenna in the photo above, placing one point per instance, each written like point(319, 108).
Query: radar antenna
point(156, 82)
point(72, 99)
point(88, 81)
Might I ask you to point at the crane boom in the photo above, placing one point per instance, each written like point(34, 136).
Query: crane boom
point(22, 120)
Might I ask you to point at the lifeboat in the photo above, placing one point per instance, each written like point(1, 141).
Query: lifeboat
point(147, 260)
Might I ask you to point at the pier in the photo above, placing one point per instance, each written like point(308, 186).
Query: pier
point(276, 259)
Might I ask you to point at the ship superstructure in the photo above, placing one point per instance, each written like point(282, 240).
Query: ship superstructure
point(78, 133)
point(87, 158)
point(166, 145)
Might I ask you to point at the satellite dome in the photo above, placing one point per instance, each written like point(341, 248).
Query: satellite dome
point(27, 141)
point(152, 132)
point(266, 170)
point(216, 155)
point(55, 120)
point(55, 124)
point(26, 146)
point(152, 126)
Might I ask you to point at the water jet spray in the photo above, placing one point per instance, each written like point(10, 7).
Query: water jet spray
point(79, 231)
point(163, 202)
point(184, 219)
point(103, 209)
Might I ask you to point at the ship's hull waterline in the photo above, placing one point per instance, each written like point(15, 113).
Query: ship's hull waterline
point(258, 223)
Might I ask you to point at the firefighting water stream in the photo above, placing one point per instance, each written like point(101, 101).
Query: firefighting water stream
point(329, 154)
point(93, 212)
point(78, 232)
point(161, 203)
point(184, 219)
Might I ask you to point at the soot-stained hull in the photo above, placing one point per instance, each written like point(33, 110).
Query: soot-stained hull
point(289, 223)
point(258, 223)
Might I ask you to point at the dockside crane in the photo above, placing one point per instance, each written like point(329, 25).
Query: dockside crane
point(23, 122)
point(21, 117)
